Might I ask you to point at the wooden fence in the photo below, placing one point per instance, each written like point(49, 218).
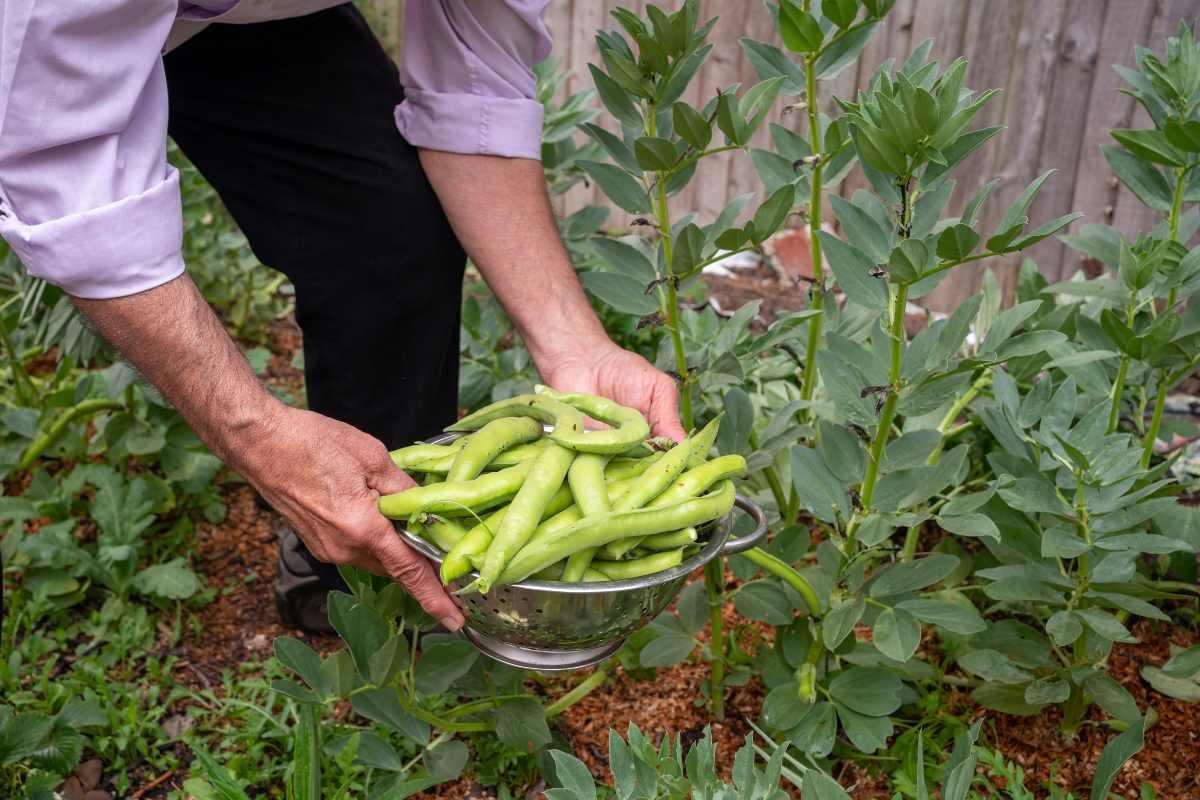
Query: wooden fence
point(1052, 59)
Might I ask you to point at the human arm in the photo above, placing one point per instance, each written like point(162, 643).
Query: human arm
point(89, 203)
point(471, 109)
point(323, 476)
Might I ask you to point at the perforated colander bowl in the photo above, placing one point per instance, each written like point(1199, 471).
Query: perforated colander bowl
point(550, 625)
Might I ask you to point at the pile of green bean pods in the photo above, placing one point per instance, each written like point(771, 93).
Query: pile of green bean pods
point(529, 492)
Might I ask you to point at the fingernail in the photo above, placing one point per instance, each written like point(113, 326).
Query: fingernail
point(451, 623)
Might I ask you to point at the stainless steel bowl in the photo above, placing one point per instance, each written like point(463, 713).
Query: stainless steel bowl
point(550, 625)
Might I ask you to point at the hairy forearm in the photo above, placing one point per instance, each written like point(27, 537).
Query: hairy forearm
point(173, 338)
point(500, 212)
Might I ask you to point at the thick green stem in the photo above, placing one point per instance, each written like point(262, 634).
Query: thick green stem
point(1114, 413)
point(714, 587)
point(86, 408)
point(1160, 400)
point(946, 427)
point(25, 391)
point(887, 415)
point(776, 485)
point(808, 384)
point(781, 569)
point(578, 693)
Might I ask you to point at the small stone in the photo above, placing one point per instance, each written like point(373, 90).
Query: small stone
point(177, 725)
point(89, 773)
point(259, 643)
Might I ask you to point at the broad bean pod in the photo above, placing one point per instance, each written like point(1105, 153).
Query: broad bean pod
point(669, 541)
point(564, 419)
point(440, 531)
point(629, 427)
point(509, 458)
point(490, 441)
point(689, 484)
point(545, 476)
point(459, 560)
point(636, 567)
point(406, 457)
point(586, 478)
point(598, 531)
point(486, 491)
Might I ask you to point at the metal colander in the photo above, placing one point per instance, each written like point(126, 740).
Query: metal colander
point(549, 625)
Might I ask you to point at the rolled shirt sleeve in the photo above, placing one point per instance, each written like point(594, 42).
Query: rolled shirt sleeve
point(467, 70)
point(88, 200)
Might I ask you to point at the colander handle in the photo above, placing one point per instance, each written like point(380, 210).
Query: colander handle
point(751, 539)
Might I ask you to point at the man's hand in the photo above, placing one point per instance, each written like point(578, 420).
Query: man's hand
point(622, 376)
point(325, 478)
point(514, 242)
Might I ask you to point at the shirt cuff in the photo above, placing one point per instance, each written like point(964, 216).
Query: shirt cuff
point(472, 124)
point(123, 248)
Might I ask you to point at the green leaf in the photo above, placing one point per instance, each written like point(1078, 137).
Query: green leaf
point(994, 666)
point(763, 600)
point(302, 660)
point(783, 708)
point(360, 626)
point(800, 31)
point(573, 775)
point(772, 213)
point(839, 622)
point(1112, 697)
point(620, 292)
point(1005, 699)
point(653, 154)
point(817, 785)
point(1114, 755)
point(616, 99)
point(842, 50)
point(666, 650)
point(1064, 628)
point(1149, 145)
point(819, 490)
point(172, 580)
point(840, 12)
point(909, 576)
point(1022, 590)
point(868, 690)
point(957, 242)
point(1171, 686)
point(949, 616)
point(908, 261)
point(446, 761)
point(442, 663)
point(382, 705)
point(771, 62)
point(896, 634)
point(1105, 625)
point(691, 125)
point(1046, 691)
point(1184, 135)
point(841, 451)
point(1184, 664)
point(867, 733)
point(618, 185)
point(1143, 179)
point(851, 267)
point(521, 723)
point(862, 230)
point(976, 525)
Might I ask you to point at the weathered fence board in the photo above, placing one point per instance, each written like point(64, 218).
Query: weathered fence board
point(1052, 59)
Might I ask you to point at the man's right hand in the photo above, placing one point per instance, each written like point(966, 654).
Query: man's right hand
point(325, 478)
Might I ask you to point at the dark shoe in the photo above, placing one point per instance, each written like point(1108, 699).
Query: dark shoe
point(303, 584)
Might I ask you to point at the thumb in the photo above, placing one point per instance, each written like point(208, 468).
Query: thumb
point(417, 576)
point(664, 412)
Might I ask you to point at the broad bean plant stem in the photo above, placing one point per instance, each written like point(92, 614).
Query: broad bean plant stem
point(1114, 413)
point(714, 571)
point(947, 427)
point(1160, 399)
point(808, 384)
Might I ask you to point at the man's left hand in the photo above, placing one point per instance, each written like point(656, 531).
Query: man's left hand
point(624, 377)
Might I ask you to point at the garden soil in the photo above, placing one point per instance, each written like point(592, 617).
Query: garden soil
point(237, 557)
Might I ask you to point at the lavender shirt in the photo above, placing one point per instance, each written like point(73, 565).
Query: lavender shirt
point(87, 199)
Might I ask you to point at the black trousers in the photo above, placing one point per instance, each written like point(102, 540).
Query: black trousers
point(292, 123)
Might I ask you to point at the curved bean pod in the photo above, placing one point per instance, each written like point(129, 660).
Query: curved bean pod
point(598, 531)
point(586, 478)
point(703, 441)
point(562, 417)
point(628, 429)
point(635, 568)
point(490, 441)
point(689, 484)
point(442, 532)
point(459, 560)
point(621, 468)
point(669, 541)
point(509, 458)
point(406, 457)
point(483, 492)
point(545, 477)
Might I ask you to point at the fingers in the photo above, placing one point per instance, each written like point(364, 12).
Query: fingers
point(664, 411)
point(383, 475)
point(417, 575)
